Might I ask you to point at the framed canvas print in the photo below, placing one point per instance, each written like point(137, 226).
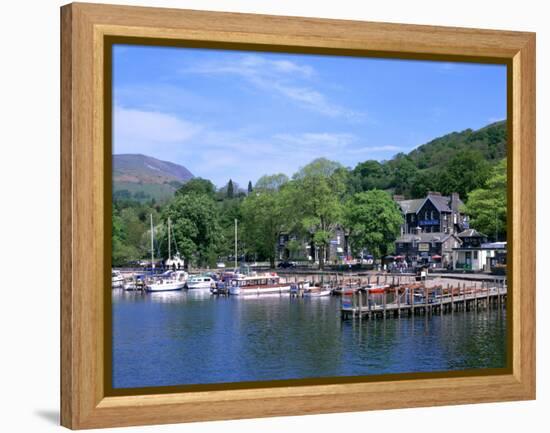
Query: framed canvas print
point(270, 216)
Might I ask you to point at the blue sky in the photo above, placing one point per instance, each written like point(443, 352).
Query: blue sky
point(239, 115)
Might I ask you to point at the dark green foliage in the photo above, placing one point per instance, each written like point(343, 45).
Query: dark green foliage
point(196, 225)
point(199, 186)
point(230, 191)
point(487, 206)
point(130, 226)
point(490, 141)
point(249, 189)
point(466, 171)
point(457, 162)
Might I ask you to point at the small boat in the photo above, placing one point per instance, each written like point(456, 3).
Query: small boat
point(297, 288)
point(376, 288)
point(200, 282)
point(117, 279)
point(317, 292)
point(258, 284)
point(137, 282)
point(346, 291)
point(170, 280)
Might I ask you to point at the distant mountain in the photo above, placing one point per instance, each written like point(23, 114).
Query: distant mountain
point(143, 178)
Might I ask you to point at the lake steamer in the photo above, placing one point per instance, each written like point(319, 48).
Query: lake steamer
point(258, 285)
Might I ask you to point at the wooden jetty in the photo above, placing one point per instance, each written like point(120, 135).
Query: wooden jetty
point(418, 298)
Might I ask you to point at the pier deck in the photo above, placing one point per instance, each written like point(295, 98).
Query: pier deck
point(422, 301)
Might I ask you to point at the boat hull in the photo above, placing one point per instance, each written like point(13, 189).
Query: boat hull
point(201, 286)
point(317, 294)
point(240, 291)
point(165, 287)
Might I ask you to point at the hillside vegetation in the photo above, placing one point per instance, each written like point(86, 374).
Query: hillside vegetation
point(456, 162)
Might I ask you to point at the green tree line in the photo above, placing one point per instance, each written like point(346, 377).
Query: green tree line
point(318, 198)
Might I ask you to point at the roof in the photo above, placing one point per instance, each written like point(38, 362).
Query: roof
point(441, 202)
point(471, 233)
point(424, 237)
point(410, 206)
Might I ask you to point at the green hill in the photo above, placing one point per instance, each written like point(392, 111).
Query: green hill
point(489, 141)
point(456, 162)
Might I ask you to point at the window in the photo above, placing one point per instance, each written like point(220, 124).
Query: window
point(475, 255)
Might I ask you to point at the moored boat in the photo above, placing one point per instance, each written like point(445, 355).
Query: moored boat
point(376, 288)
point(200, 282)
point(117, 279)
point(258, 284)
point(171, 280)
point(317, 291)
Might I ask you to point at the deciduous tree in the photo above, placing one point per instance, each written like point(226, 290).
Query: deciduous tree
point(487, 206)
point(373, 221)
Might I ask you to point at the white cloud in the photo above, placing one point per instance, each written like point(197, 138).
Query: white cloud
point(242, 154)
point(279, 77)
point(139, 130)
point(317, 140)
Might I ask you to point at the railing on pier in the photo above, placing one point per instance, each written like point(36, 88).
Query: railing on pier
point(418, 298)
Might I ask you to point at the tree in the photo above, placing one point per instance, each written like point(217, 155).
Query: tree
point(195, 223)
point(229, 211)
point(316, 199)
point(249, 189)
point(230, 191)
point(466, 171)
point(487, 206)
point(197, 185)
point(263, 220)
point(271, 182)
point(369, 175)
point(425, 180)
point(373, 221)
point(404, 175)
point(130, 223)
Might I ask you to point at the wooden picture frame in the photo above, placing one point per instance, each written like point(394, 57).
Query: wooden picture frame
point(85, 224)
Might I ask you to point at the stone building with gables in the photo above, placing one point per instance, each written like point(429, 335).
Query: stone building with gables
point(430, 229)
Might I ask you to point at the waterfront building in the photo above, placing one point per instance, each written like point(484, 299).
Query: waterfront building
point(434, 213)
point(422, 248)
point(430, 228)
point(476, 254)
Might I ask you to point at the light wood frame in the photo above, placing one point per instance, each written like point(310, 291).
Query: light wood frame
point(84, 403)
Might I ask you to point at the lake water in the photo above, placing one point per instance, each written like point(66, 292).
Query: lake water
point(181, 338)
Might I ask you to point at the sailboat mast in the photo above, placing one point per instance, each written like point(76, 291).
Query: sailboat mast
point(169, 241)
point(152, 247)
point(236, 243)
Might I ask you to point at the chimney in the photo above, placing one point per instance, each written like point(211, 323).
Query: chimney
point(454, 201)
point(398, 197)
point(434, 193)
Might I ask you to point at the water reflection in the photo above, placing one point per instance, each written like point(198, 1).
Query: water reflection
point(175, 338)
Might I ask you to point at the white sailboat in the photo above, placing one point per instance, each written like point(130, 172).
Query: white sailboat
point(117, 279)
point(171, 280)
